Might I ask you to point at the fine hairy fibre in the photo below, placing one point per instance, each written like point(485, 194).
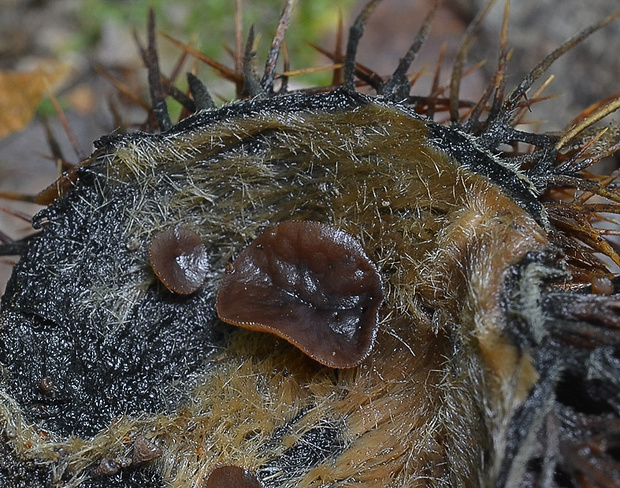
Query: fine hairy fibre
point(352, 285)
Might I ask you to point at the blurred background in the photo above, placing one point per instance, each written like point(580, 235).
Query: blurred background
point(65, 40)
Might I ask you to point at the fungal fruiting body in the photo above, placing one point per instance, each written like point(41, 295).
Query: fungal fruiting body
point(179, 260)
point(310, 284)
point(468, 271)
point(231, 477)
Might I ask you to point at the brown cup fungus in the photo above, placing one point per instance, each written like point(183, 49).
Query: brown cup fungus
point(232, 477)
point(144, 451)
point(179, 259)
point(309, 283)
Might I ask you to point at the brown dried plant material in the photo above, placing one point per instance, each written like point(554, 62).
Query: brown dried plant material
point(21, 93)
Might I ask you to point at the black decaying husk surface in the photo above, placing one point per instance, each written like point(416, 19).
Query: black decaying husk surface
point(495, 364)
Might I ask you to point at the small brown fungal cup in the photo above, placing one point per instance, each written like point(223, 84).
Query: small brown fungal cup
point(309, 283)
point(232, 477)
point(144, 451)
point(179, 259)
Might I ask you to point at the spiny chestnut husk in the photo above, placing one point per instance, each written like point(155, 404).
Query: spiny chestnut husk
point(472, 323)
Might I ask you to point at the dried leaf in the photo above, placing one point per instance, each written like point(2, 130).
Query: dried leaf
point(21, 93)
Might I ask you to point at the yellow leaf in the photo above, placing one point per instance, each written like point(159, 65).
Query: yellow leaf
point(21, 93)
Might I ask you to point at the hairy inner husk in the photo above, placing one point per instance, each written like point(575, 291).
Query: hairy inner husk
point(435, 395)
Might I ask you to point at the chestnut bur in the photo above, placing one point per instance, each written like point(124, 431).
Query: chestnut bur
point(309, 283)
point(179, 259)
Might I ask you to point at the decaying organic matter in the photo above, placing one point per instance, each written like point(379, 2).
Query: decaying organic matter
point(496, 358)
